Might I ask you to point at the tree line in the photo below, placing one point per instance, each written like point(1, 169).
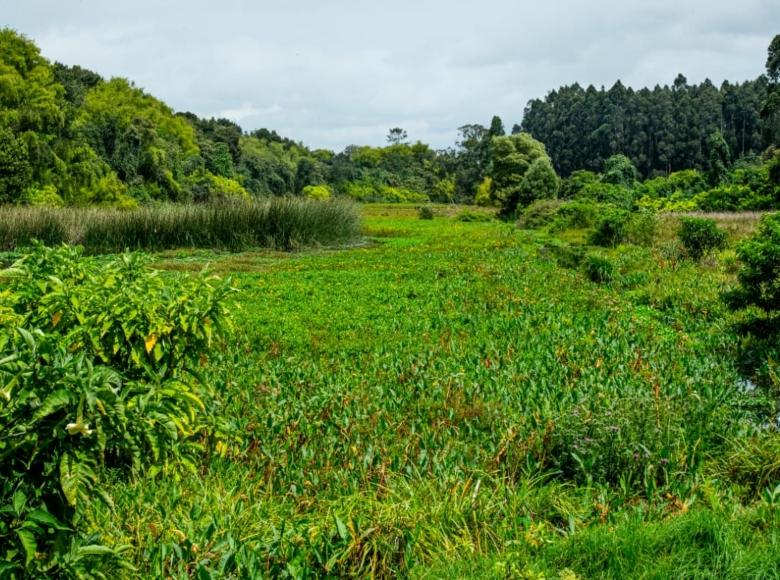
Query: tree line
point(70, 137)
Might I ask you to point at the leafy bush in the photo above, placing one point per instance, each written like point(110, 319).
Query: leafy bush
point(699, 236)
point(425, 212)
point(317, 192)
point(733, 197)
point(539, 214)
point(373, 192)
point(572, 185)
point(95, 373)
point(468, 216)
point(608, 193)
point(599, 269)
point(759, 274)
point(611, 227)
point(620, 170)
point(642, 228)
point(539, 182)
point(576, 215)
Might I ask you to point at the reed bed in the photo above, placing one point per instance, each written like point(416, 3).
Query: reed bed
point(279, 223)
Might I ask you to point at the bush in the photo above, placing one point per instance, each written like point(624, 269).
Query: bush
point(373, 193)
point(599, 269)
point(620, 170)
point(608, 193)
point(642, 228)
point(699, 236)
point(425, 212)
point(96, 373)
point(576, 215)
point(468, 216)
point(539, 182)
point(539, 214)
point(611, 228)
point(317, 192)
point(759, 274)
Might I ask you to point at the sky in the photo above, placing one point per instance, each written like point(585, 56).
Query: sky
point(331, 73)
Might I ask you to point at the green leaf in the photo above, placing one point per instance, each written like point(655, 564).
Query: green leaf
point(27, 538)
point(53, 403)
point(46, 519)
point(95, 550)
point(19, 500)
point(342, 529)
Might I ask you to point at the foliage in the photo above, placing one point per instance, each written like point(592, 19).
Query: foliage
point(663, 129)
point(539, 182)
point(513, 156)
point(467, 216)
point(699, 236)
point(599, 269)
point(93, 374)
point(642, 228)
point(317, 192)
point(425, 212)
point(759, 273)
point(611, 227)
point(619, 170)
point(539, 214)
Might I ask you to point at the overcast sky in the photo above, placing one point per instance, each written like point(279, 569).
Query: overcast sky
point(336, 72)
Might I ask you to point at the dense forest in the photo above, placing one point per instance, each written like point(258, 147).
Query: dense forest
point(70, 137)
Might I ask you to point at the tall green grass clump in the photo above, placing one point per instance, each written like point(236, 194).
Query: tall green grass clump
point(281, 223)
point(20, 225)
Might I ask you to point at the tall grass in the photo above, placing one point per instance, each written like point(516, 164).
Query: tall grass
point(282, 223)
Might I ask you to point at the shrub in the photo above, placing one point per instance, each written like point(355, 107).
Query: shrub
point(484, 196)
point(601, 192)
point(368, 192)
point(642, 228)
point(473, 216)
point(733, 197)
point(539, 214)
point(576, 215)
point(699, 236)
point(425, 212)
point(539, 182)
point(317, 192)
point(611, 228)
point(573, 185)
point(96, 374)
point(599, 269)
point(759, 274)
point(620, 170)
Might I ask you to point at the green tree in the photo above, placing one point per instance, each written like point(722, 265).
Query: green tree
point(620, 170)
point(513, 155)
point(15, 170)
point(397, 136)
point(539, 182)
point(759, 275)
point(770, 112)
point(718, 158)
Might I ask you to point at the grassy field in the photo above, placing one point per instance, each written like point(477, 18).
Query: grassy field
point(449, 399)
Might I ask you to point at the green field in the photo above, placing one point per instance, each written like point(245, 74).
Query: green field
point(448, 400)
